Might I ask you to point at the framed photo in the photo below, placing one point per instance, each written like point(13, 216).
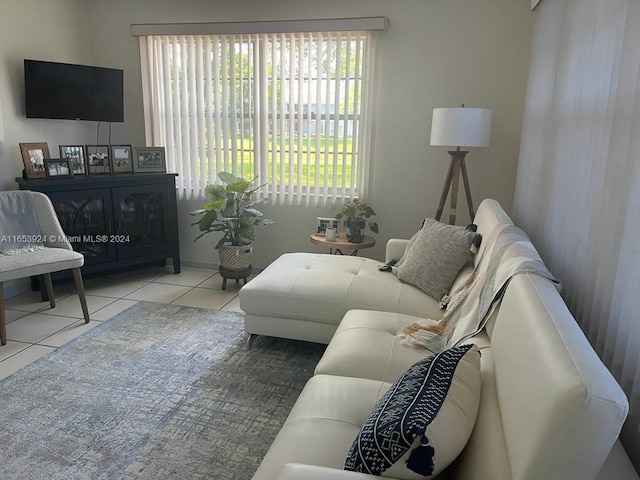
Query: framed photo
point(149, 159)
point(121, 159)
point(33, 156)
point(98, 159)
point(58, 168)
point(76, 156)
point(322, 223)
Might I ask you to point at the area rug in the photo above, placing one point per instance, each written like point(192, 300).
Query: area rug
point(158, 392)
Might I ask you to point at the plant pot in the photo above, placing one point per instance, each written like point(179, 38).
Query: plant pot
point(235, 257)
point(235, 263)
point(355, 233)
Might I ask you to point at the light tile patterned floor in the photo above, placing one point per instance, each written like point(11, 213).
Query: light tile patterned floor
point(34, 329)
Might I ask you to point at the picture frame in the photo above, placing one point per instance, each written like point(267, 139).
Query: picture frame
point(322, 223)
point(58, 168)
point(33, 156)
point(121, 159)
point(98, 162)
point(149, 160)
point(76, 154)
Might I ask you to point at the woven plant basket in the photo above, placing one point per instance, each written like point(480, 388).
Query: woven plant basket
point(235, 257)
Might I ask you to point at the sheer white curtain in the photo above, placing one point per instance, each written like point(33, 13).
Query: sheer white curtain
point(291, 108)
point(578, 184)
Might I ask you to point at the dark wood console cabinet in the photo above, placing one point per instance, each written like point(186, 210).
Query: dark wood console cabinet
point(116, 221)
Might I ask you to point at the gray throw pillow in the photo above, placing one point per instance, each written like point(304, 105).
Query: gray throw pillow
point(434, 257)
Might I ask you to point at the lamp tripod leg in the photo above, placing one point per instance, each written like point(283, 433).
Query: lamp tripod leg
point(467, 189)
point(454, 191)
point(445, 191)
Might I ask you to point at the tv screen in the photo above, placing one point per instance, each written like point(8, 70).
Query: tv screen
point(73, 92)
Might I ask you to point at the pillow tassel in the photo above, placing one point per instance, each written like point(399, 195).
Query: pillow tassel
point(387, 267)
point(476, 242)
point(421, 458)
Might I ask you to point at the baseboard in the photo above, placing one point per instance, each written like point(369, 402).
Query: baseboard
point(211, 266)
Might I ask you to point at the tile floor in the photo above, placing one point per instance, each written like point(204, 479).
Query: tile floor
point(34, 329)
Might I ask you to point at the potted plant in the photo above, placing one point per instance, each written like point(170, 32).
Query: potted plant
point(229, 209)
point(356, 217)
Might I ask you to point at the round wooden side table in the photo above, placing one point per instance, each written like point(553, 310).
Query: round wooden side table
point(341, 243)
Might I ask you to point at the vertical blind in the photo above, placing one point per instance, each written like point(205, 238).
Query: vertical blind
point(290, 108)
point(578, 184)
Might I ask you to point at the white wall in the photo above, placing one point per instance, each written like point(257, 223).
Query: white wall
point(54, 30)
point(436, 53)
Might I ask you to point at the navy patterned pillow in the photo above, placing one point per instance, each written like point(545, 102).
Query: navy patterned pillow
point(424, 420)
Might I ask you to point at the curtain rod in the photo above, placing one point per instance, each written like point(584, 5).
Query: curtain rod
point(265, 26)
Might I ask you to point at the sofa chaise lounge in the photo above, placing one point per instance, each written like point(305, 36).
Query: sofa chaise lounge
point(548, 407)
point(303, 296)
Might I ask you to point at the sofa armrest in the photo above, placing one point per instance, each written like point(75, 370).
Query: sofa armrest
point(395, 249)
point(298, 471)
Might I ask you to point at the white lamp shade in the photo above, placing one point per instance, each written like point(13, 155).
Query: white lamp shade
point(461, 127)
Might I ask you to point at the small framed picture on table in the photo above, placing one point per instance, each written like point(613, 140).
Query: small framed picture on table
point(121, 159)
point(149, 160)
point(98, 159)
point(322, 223)
point(33, 156)
point(77, 158)
point(58, 168)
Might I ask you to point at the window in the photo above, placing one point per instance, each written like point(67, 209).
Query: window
point(290, 108)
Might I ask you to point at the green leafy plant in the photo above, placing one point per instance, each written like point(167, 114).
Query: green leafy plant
point(357, 216)
point(229, 209)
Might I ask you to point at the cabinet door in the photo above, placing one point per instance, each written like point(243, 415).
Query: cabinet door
point(141, 220)
point(86, 218)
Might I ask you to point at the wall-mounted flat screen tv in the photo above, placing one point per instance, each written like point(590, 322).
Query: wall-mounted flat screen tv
point(73, 92)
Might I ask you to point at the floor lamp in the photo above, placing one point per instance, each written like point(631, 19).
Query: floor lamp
point(456, 127)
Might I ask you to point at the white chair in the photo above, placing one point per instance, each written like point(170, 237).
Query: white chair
point(56, 255)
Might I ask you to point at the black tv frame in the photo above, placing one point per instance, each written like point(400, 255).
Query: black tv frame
point(69, 91)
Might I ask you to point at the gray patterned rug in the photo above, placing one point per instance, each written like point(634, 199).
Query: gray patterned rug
point(158, 392)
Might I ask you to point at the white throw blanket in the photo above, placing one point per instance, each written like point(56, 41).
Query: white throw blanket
point(509, 252)
point(19, 230)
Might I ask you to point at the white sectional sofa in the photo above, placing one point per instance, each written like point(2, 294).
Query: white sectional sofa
point(304, 296)
point(549, 409)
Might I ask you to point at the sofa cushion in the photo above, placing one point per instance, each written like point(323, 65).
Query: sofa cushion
point(324, 421)
point(368, 344)
point(434, 257)
point(424, 420)
point(321, 288)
